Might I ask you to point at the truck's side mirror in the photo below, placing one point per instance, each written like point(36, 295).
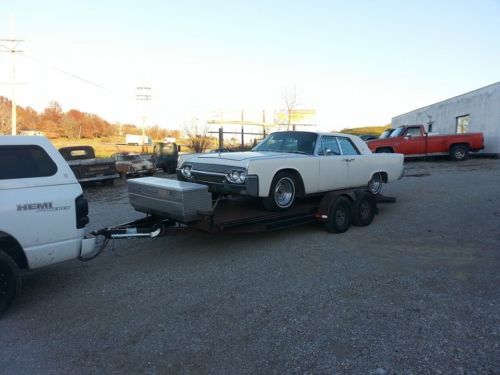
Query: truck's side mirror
point(407, 136)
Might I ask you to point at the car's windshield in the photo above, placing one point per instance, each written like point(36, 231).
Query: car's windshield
point(292, 142)
point(397, 132)
point(386, 134)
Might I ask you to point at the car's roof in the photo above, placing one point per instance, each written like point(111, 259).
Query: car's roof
point(318, 133)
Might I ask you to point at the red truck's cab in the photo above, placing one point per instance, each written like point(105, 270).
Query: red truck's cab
point(413, 141)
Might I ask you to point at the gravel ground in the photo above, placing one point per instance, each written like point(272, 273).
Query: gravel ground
point(416, 292)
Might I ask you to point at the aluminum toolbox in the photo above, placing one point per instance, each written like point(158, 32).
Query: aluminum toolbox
point(171, 199)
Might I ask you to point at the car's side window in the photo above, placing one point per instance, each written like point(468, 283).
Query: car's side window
point(347, 146)
point(413, 132)
point(329, 146)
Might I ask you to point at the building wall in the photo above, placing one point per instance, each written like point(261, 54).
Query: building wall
point(482, 106)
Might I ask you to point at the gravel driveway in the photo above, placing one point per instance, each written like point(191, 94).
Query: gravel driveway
point(416, 292)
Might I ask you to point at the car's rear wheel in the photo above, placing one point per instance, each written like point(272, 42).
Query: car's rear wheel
point(282, 193)
point(375, 184)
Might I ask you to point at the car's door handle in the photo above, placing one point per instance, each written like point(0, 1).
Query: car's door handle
point(348, 160)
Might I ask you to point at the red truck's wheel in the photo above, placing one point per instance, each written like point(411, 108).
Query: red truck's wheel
point(459, 152)
point(384, 150)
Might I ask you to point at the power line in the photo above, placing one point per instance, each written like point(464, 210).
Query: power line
point(8, 49)
point(66, 72)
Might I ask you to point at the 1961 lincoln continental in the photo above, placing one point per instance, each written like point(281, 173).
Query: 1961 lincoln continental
point(292, 164)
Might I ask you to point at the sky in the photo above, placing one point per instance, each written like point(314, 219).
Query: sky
point(355, 62)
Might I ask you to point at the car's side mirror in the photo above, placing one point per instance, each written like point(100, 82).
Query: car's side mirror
point(407, 136)
point(178, 148)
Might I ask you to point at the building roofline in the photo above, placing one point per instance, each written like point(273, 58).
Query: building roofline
point(445, 100)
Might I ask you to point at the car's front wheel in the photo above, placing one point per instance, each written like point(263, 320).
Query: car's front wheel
point(282, 193)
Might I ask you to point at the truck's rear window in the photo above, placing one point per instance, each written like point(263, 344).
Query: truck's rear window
point(25, 161)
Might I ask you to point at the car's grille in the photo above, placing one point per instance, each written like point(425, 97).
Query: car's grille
point(209, 178)
point(213, 168)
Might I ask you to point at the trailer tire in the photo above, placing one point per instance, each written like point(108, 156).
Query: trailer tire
point(282, 193)
point(459, 152)
point(363, 210)
point(10, 281)
point(339, 217)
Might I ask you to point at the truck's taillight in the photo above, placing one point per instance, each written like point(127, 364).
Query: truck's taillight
point(82, 210)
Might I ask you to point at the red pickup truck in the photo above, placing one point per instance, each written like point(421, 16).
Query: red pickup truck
point(413, 141)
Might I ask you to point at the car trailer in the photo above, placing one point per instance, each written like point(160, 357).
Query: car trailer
point(177, 204)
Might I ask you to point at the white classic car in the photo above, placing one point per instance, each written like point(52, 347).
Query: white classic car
point(292, 164)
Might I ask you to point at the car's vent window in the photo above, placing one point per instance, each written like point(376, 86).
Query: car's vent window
point(347, 146)
point(25, 161)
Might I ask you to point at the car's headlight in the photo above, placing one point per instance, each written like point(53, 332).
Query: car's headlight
point(186, 170)
point(236, 176)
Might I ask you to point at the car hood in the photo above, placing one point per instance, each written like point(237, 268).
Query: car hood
point(241, 156)
point(235, 158)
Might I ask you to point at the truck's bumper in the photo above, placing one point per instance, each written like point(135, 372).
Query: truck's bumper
point(88, 245)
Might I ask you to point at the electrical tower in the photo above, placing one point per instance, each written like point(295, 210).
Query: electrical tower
point(143, 95)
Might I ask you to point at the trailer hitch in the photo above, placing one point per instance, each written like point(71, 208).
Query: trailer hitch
point(148, 227)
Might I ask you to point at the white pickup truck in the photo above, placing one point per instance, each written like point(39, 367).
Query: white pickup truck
point(42, 211)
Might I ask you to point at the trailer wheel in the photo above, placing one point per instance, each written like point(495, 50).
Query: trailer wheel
point(282, 193)
point(10, 281)
point(459, 152)
point(375, 184)
point(363, 210)
point(339, 217)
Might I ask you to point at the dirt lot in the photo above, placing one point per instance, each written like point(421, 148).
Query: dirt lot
point(415, 292)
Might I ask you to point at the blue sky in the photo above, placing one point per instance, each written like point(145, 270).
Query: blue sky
point(356, 63)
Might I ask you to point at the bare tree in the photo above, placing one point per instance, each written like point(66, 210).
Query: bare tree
point(290, 98)
point(198, 139)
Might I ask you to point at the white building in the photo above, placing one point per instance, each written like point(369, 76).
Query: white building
point(475, 111)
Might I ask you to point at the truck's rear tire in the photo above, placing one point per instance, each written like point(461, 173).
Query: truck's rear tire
point(10, 281)
point(459, 152)
point(339, 217)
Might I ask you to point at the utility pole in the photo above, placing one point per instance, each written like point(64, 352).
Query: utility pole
point(13, 51)
point(144, 95)
point(242, 128)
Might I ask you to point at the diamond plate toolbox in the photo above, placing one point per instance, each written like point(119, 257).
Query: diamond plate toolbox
point(171, 199)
